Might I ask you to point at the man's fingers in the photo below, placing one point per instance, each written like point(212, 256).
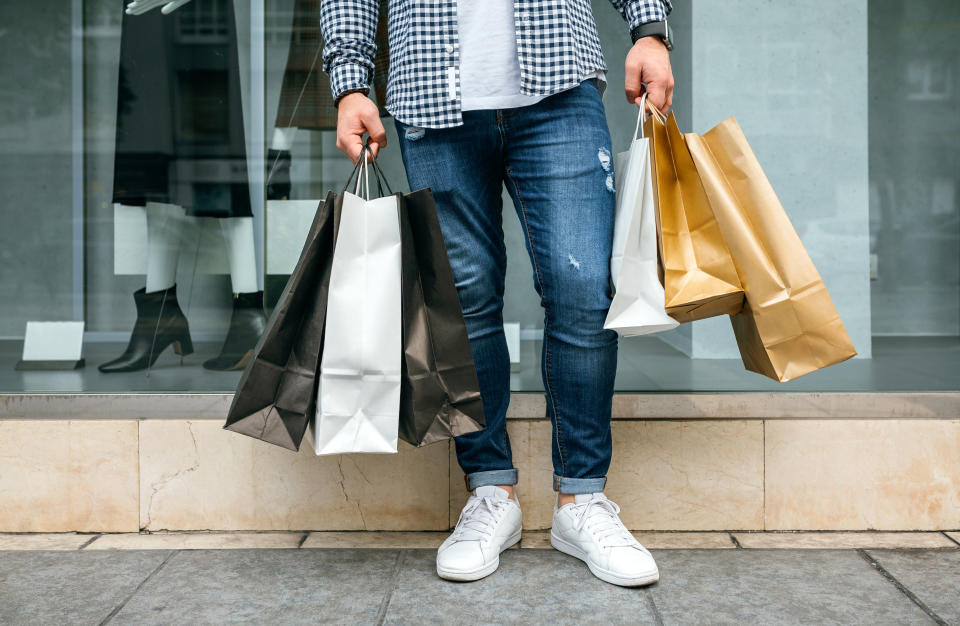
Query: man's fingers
point(632, 85)
point(351, 145)
point(356, 115)
point(657, 96)
point(378, 135)
point(669, 95)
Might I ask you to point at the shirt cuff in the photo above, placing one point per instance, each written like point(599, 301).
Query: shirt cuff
point(349, 77)
point(644, 11)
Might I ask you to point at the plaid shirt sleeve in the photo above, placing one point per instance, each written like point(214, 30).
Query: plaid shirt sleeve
point(349, 29)
point(638, 12)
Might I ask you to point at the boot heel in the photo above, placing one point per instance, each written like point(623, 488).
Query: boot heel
point(183, 347)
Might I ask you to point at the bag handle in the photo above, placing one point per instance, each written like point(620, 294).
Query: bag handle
point(361, 170)
point(640, 112)
point(356, 170)
point(654, 111)
point(646, 107)
point(378, 173)
point(363, 176)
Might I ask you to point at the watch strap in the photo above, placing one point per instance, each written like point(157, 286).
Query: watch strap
point(653, 29)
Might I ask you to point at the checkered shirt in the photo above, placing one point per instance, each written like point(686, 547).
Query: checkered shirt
point(557, 44)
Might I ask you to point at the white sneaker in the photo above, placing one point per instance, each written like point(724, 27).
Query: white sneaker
point(489, 524)
point(590, 529)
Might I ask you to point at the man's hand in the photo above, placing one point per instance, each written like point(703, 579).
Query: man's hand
point(649, 62)
point(357, 114)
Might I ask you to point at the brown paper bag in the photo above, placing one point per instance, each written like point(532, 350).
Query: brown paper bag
point(789, 326)
point(699, 277)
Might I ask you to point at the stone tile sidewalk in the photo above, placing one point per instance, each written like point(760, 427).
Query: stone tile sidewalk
point(293, 578)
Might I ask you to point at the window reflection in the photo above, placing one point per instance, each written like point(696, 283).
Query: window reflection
point(151, 164)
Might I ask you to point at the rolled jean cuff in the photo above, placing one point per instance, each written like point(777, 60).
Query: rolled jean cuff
point(493, 477)
point(575, 486)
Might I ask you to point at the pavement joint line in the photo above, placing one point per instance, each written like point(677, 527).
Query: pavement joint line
point(143, 582)
point(657, 618)
point(394, 583)
point(763, 480)
point(875, 563)
point(950, 538)
point(89, 541)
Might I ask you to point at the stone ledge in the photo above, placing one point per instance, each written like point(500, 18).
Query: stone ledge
point(668, 475)
point(845, 540)
point(525, 405)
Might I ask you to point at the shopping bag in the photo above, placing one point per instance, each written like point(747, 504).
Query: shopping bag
point(699, 277)
point(638, 299)
point(276, 396)
point(788, 326)
point(439, 393)
point(358, 392)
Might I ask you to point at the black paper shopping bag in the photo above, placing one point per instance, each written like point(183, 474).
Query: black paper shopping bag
point(277, 394)
point(439, 393)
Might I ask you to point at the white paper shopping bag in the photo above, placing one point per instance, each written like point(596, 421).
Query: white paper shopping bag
point(638, 306)
point(358, 404)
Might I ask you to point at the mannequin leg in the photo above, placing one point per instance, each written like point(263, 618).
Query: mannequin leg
point(248, 320)
point(165, 224)
point(278, 163)
point(282, 138)
point(160, 321)
point(238, 235)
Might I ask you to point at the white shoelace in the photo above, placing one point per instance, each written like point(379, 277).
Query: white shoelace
point(478, 518)
point(601, 516)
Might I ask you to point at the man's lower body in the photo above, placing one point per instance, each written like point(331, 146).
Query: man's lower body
point(556, 161)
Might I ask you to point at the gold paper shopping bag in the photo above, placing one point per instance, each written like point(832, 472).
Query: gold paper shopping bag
point(699, 276)
point(789, 326)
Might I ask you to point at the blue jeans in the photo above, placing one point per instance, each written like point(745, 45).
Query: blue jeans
point(555, 159)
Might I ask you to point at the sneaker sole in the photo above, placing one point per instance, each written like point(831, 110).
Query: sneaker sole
point(607, 576)
point(481, 572)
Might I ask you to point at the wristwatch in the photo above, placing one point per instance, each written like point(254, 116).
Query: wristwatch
point(661, 30)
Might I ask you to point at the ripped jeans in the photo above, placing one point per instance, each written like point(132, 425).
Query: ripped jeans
point(555, 159)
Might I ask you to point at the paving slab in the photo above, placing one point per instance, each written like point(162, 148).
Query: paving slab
point(282, 586)
point(195, 541)
point(366, 539)
point(264, 587)
point(845, 540)
point(57, 587)
point(777, 587)
point(43, 541)
point(530, 587)
point(540, 540)
point(931, 575)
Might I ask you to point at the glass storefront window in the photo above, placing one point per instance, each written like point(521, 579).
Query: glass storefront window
point(160, 171)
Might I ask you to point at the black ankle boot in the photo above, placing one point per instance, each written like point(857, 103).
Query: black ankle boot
point(246, 325)
point(278, 174)
point(160, 323)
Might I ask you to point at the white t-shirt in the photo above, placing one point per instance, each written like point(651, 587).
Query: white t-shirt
point(489, 64)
